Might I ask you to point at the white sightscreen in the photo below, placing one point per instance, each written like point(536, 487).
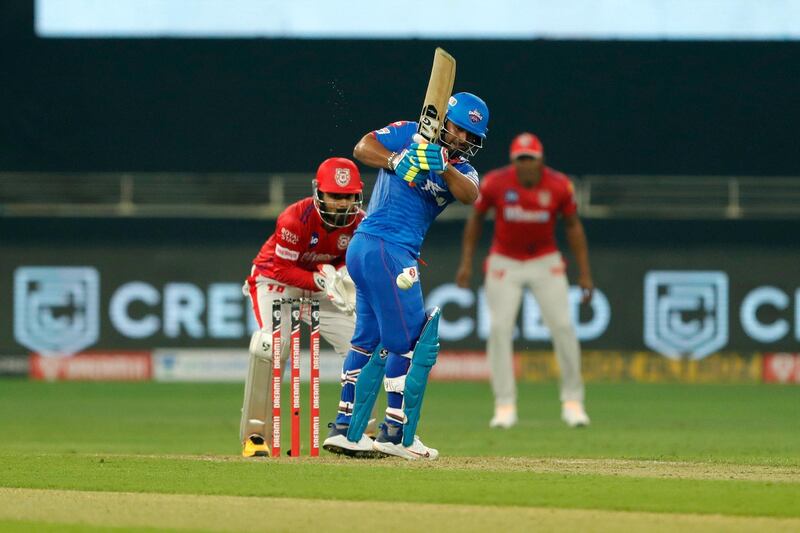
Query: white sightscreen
point(442, 19)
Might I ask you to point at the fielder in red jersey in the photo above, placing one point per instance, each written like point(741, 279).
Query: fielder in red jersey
point(303, 258)
point(528, 198)
point(525, 216)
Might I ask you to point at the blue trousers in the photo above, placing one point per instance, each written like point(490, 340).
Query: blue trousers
point(385, 315)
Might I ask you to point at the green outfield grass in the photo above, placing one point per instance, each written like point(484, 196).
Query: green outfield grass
point(701, 457)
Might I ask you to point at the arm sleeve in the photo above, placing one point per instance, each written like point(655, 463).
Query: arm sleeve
point(290, 243)
point(396, 136)
point(568, 204)
point(470, 172)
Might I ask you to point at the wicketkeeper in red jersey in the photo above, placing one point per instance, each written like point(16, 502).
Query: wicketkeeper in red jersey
point(528, 197)
point(304, 258)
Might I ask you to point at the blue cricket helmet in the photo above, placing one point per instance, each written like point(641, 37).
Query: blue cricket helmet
point(469, 112)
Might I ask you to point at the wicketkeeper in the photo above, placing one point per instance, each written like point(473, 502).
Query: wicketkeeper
point(303, 258)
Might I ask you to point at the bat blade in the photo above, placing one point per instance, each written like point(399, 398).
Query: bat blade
point(440, 87)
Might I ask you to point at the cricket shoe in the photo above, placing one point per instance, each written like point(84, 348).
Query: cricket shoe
point(573, 414)
point(505, 416)
point(337, 443)
point(255, 446)
point(389, 442)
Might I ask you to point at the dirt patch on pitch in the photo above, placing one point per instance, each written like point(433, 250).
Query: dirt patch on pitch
point(625, 467)
point(602, 467)
point(234, 513)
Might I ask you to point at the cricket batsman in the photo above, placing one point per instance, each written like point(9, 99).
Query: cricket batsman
point(395, 341)
point(303, 258)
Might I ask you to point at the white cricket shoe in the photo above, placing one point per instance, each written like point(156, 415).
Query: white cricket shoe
point(337, 443)
point(392, 445)
point(573, 414)
point(505, 416)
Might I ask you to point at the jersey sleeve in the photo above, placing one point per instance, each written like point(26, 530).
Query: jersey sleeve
point(470, 172)
point(568, 204)
point(396, 136)
point(486, 198)
point(291, 241)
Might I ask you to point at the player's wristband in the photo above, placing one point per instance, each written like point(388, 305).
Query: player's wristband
point(391, 161)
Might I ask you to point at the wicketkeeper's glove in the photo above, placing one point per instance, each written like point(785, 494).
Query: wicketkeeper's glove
point(339, 288)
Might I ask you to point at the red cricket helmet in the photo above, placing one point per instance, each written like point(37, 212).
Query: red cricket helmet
point(338, 175)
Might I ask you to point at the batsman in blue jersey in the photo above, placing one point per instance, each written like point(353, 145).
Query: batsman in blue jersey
point(395, 341)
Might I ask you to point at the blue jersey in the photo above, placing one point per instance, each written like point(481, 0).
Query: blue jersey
point(401, 214)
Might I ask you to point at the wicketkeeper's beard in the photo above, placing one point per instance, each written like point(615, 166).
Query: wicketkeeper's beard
point(338, 218)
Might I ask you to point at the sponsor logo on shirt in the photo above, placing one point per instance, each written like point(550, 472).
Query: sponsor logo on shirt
point(515, 213)
point(382, 131)
point(314, 257)
point(434, 189)
point(286, 253)
point(288, 236)
point(314, 240)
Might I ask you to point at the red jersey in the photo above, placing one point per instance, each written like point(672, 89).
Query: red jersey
point(525, 218)
point(300, 243)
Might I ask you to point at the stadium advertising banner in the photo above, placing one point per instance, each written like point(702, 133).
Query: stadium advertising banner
point(135, 295)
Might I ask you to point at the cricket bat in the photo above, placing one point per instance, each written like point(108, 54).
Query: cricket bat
point(440, 87)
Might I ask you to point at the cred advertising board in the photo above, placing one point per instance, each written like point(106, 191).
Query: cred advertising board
point(684, 302)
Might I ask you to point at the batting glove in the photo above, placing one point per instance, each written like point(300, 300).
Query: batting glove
point(430, 156)
point(408, 168)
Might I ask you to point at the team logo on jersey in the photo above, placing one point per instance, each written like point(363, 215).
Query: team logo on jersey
point(56, 309)
point(343, 241)
point(512, 196)
point(686, 312)
point(475, 116)
point(412, 273)
point(544, 198)
point(314, 240)
point(342, 177)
